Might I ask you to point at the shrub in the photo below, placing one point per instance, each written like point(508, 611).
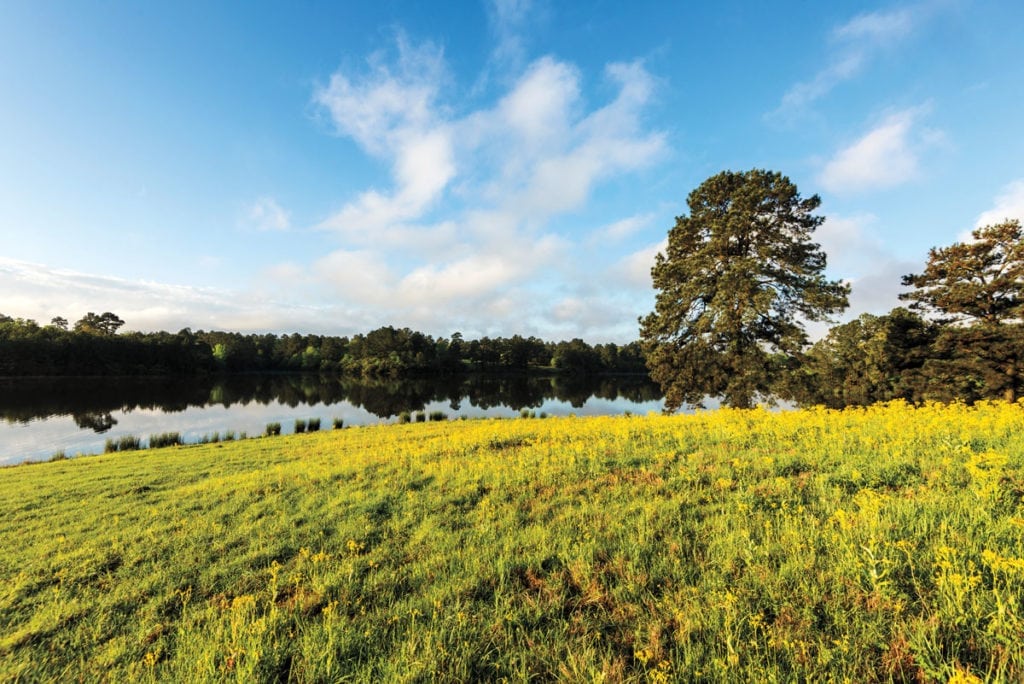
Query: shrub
point(421, 417)
point(228, 436)
point(338, 423)
point(58, 456)
point(437, 415)
point(404, 417)
point(300, 425)
point(525, 413)
point(272, 429)
point(313, 425)
point(164, 439)
point(126, 443)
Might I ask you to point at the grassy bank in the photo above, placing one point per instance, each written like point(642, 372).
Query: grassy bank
point(862, 545)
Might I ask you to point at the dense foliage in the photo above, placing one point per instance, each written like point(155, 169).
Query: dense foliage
point(969, 348)
point(738, 278)
point(93, 348)
point(884, 544)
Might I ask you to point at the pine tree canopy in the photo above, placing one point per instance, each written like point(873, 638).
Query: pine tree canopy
point(737, 281)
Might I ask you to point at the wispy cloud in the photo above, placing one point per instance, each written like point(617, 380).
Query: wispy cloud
point(622, 229)
point(507, 19)
point(852, 46)
point(266, 214)
point(886, 156)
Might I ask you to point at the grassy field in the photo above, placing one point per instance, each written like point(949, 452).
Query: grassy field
point(864, 545)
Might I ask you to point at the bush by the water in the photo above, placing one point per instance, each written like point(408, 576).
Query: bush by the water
point(164, 439)
point(125, 443)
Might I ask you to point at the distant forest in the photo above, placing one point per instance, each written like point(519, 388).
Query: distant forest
point(92, 346)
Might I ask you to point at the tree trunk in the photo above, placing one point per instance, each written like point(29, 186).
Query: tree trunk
point(1010, 393)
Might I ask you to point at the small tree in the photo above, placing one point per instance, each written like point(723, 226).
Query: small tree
point(981, 281)
point(739, 276)
point(106, 323)
point(976, 290)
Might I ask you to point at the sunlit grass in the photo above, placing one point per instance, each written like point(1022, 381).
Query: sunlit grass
point(876, 544)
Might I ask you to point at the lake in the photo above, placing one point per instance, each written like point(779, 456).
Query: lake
point(42, 416)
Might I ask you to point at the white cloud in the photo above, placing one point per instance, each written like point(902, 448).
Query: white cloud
point(40, 292)
point(877, 28)
point(886, 156)
point(539, 107)
point(850, 244)
point(622, 229)
point(507, 19)
point(267, 215)
point(378, 106)
point(1009, 205)
point(472, 230)
point(858, 256)
point(500, 174)
point(391, 113)
point(634, 270)
point(853, 46)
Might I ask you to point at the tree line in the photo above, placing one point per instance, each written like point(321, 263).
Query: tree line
point(735, 286)
point(741, 276)
point(93, 346)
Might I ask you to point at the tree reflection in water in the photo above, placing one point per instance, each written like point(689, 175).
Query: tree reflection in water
point(91, 401)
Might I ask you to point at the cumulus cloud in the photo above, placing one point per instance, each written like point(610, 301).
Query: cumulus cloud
point(886, 156)
point(499, 175)
point(852, 46)
point(390, 112)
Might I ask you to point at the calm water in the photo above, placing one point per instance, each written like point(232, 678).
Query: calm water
point(77, 415)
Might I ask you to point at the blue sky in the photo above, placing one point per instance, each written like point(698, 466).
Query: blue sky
point(492, 168)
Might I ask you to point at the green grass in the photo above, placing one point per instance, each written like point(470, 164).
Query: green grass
point(885, 544)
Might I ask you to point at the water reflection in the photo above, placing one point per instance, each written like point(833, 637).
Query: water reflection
point(39, 412)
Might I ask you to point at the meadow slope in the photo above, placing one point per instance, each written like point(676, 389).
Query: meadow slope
point(877, 544)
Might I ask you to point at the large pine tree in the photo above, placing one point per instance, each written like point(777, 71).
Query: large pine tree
point(739, 277)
